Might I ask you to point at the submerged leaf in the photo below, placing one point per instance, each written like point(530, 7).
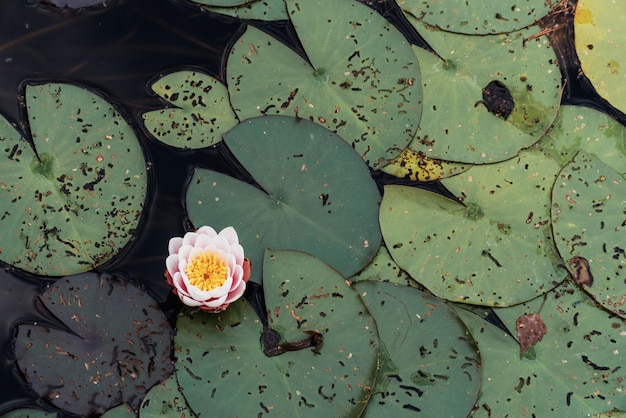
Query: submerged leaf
point(116, 345)
point(530, 330)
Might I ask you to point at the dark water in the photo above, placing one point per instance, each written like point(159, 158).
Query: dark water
point(117, 50)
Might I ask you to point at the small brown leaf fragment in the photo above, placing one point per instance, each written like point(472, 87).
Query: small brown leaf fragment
point(581, 272)
point(530, 330)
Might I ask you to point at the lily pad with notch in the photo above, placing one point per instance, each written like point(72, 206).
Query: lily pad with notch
point(112, 345)
point(314, 194)
point(486, 97)
point(223, 370)
point(496, 250)
point(361, 79)
point(249, 10)
point(73, 198)
point(575, 370)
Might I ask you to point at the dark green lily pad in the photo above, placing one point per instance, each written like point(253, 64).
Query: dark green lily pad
point(73, 201)
point(457, 125)
point(317, 194)
point(165, 400)
point(581, 128)
point(223, 371)
point(121, 411)
point(202, 112)
point(430, 363)
point(576, 370)
point(362, 82)
point(116, 346)
point(27, 413)
point(384, 269)
point(588, 219)
point(478, 17)
point(496, 250)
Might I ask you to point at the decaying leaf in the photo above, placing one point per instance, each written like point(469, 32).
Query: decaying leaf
point(581, 272)
point(530, 330)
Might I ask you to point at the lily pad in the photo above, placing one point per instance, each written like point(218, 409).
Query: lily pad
point(575, 371)
point(222, 368)
point(251, 10)
point(116, 345)
point(72, 200)
point(599, 33)
point(430, 363)
point(588, 209)
point(478, 17)
point(28, 413)
point(497, 250)
point(361, 79)
point(202, 113)
point(165, 400)
point(582, 128)
point(415, 166)
point(457, 124)
point(315, 194)
point(384, 269)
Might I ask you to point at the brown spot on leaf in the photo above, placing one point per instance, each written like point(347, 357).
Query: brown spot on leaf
point(530, 330)
point(581, 272)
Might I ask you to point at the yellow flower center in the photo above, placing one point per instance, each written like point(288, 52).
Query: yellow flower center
point(206, 271)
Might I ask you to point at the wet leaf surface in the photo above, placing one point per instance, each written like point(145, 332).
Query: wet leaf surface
point(115, 347)
point(588, 218)
point(430, 363)
point(497, 250)
point(315, 195)
point(362, 79)
point(200, 111)
point(72, 201)
point(575, 371)
point(455, 126)
point(222, 368)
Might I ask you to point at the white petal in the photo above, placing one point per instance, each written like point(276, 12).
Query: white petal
point(171, 262)
point(230, 235)
point(215, 303)
point(190, 238)
point(236, 293)
point(207, 230)
point(190, 302)
point(174, 245)
point(237, 251)
point(184, 251)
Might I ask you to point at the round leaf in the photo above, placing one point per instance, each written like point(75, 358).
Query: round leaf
point(116, 346)
point(362, 82)
point(384, 269)
point(588, 210)
point(317, 194)
point(430, 364)
point(599, 31)
point(253, 10)
point(576, 370)
point(478, 17)
point(224, 372)
point(165, 400)
point(202, 112)
point(582, 128)
point(73, 201)
point(496, 250)
point(457, 124)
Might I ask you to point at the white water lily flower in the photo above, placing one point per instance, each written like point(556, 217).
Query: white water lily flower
point(207, 270)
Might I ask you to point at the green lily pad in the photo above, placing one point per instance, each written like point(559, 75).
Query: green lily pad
point(588, 210)
point(28, 413)
point(599, 31)
point(165, 400)
point(315, 195)
point(576, 370)
point(456, 124)
point(121, 411)
point(478, 17)
point(384, 269)
point(362, 80)
point(497, 250)
point(222, 3)
point(222, 368)
point(115, 347)
point(582, 128)
point(72, 200)
point(430, 364)
point(202, 113)
point(252, 10)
